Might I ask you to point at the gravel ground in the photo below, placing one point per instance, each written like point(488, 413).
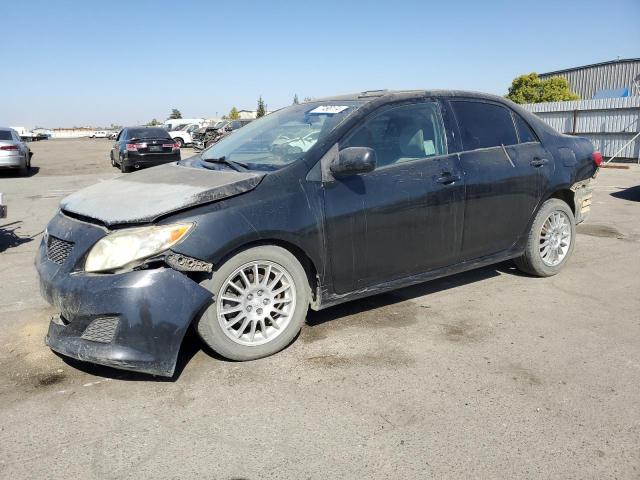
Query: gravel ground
point(486, 374)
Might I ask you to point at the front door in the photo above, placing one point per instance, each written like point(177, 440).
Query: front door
point(404, 217)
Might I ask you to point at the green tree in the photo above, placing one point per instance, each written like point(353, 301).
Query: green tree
point(175, 113)
point(261, 111)
point(531, 88)
point(233, 114)
point(295, 99)
point(153, 122)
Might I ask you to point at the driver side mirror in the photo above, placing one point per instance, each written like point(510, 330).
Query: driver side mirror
point(354, 161)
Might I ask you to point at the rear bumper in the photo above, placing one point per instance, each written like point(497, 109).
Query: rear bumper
point(583, 194)
point(150, 159)
point(12, 161)
point(132, 321)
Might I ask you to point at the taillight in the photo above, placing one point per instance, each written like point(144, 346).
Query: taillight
point(597, 158)
point(8, 147)
point(174, 146)
point(134, 147)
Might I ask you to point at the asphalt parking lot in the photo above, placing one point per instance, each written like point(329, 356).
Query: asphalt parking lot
point(486, 374)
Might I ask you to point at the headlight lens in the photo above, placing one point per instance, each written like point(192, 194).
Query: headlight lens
point(118, 249)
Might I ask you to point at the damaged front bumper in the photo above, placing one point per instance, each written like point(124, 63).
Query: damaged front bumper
point(133, 321)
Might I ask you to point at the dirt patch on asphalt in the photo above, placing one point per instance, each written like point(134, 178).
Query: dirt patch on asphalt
point(523, 374)
point(26, 363)
point(603, 231)
point(386, 358)
point(463, 331)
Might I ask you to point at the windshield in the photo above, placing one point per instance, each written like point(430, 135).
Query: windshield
point(220, 124)
point(282, 137)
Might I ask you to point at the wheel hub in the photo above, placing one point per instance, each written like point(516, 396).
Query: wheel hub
point(555, 238)
point(256, 303)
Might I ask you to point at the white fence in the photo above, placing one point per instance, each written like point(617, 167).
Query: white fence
point(608, 122)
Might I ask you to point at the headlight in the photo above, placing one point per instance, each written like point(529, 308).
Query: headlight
point(121, 248)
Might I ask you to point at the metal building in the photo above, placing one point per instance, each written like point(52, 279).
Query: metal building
point(617, 78)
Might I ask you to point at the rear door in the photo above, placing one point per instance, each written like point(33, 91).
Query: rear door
point(403, 218)
point(502, 186)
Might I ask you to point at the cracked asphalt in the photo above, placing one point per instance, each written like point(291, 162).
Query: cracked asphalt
point(486, 374)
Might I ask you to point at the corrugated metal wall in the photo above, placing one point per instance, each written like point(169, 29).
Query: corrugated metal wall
point(586, 81)
point(608, 122)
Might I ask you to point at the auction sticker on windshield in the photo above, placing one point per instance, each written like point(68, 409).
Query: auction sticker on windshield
point(329, 109)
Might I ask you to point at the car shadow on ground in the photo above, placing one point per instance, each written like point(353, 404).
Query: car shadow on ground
point(17, 173)
point(631, 193)
point(192, 344)
point(9, 238)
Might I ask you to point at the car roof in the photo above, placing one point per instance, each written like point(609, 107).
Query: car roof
point(391, 95)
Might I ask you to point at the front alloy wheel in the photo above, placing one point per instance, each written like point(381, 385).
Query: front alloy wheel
point(261, 301)
point(256, 303)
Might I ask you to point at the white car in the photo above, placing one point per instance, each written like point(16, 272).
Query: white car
point(99, 134)
point(183, 136)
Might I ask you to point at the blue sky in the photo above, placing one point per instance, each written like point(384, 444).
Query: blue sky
point(94, 63)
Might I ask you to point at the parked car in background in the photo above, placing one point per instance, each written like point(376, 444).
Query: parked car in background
point(206, 136)
point(313, 205)
point(138, 147)
point(182, 136)
point(114, 134)
point(99, 134)
point(14, 153)
point(173, 123)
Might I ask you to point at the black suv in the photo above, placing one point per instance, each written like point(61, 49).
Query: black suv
point(313, 205)
point(137, 147)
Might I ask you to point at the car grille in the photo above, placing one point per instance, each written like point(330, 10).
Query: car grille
point(58, 250)
point(101, 330)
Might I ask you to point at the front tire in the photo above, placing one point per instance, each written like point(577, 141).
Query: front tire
point(261, 302)
point(550, 241)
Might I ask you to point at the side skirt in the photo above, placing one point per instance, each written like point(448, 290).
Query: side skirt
point(329, 300)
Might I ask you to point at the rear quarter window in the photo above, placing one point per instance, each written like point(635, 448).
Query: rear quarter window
point(484, 125)
point(525, 133)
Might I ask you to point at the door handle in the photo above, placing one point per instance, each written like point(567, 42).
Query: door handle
point(538, 162)
point(447, 178)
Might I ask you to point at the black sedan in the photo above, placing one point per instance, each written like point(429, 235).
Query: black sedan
point(313, 205)
point(138, 147)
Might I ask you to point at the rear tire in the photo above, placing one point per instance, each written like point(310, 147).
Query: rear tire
point(550, 241)
point(259, 315)
point(123, 167)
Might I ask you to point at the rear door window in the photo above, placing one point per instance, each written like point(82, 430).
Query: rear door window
point(484, 125)
point(401, 134)
point(525, 133)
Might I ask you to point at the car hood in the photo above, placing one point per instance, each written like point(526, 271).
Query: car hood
point(149, 194)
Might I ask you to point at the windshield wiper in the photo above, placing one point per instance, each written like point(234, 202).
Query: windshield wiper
point(237, 166)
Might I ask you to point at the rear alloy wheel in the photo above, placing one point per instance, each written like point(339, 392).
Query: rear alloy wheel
point(261, 301)
point(550, 241)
